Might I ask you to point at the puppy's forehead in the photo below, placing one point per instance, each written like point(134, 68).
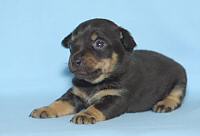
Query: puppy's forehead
point(93, 28)
point(97, 23)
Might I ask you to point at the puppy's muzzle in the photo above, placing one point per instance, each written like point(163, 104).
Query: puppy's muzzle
point(78, 65)
point(75, 61)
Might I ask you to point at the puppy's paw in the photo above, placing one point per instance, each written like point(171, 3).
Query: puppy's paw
point(166, 105)
point(83, 118)
point(44, 112)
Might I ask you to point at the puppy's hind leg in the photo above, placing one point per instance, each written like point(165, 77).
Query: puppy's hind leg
point(172, 101)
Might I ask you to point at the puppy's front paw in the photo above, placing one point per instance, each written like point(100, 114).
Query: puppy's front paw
point(44, 112)
point(83, 118)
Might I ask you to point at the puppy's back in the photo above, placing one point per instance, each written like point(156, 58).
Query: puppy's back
point(157, 74)
point(157, 62)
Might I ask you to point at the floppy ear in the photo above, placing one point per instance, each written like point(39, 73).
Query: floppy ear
point(127, 40)
point(65, 41)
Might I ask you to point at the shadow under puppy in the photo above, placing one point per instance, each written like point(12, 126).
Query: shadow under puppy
point(112, 79)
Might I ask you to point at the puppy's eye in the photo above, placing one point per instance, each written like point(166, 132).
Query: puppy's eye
point(99, 44)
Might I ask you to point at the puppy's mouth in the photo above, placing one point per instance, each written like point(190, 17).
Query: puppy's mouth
point(87, 75)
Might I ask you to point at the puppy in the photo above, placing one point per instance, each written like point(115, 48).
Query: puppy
point(111, 79)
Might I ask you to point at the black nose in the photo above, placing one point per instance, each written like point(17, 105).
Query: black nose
point(78, 61)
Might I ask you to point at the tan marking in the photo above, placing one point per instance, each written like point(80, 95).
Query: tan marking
point(99, 79)
point(87, 115)
point(77, 91)
point(91, 62)
point(107, 66)
point(62, 107)
point(106, 92)
point(177, 92)
point(72, 37)
point(88, 98)
point(171, 101)
point(94, 36)
point(99, 116)
point(167, 103)
point(56, 109)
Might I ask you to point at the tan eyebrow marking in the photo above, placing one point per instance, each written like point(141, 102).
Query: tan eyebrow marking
point(94, 36)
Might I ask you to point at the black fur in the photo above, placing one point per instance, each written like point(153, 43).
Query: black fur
point(127, 40)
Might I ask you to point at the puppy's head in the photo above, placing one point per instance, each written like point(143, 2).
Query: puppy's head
point(97, 47)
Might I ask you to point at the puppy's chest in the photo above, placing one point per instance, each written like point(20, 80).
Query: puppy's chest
point(91, 95)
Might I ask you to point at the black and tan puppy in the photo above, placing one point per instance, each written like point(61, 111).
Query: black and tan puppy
point(112, 79)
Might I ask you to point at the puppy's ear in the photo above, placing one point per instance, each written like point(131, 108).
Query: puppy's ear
point(127, 40)
point(65, 41)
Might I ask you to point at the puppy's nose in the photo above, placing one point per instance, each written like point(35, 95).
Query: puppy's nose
point(78, 61)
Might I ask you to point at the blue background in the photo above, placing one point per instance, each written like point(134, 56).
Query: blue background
point(33, 64)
